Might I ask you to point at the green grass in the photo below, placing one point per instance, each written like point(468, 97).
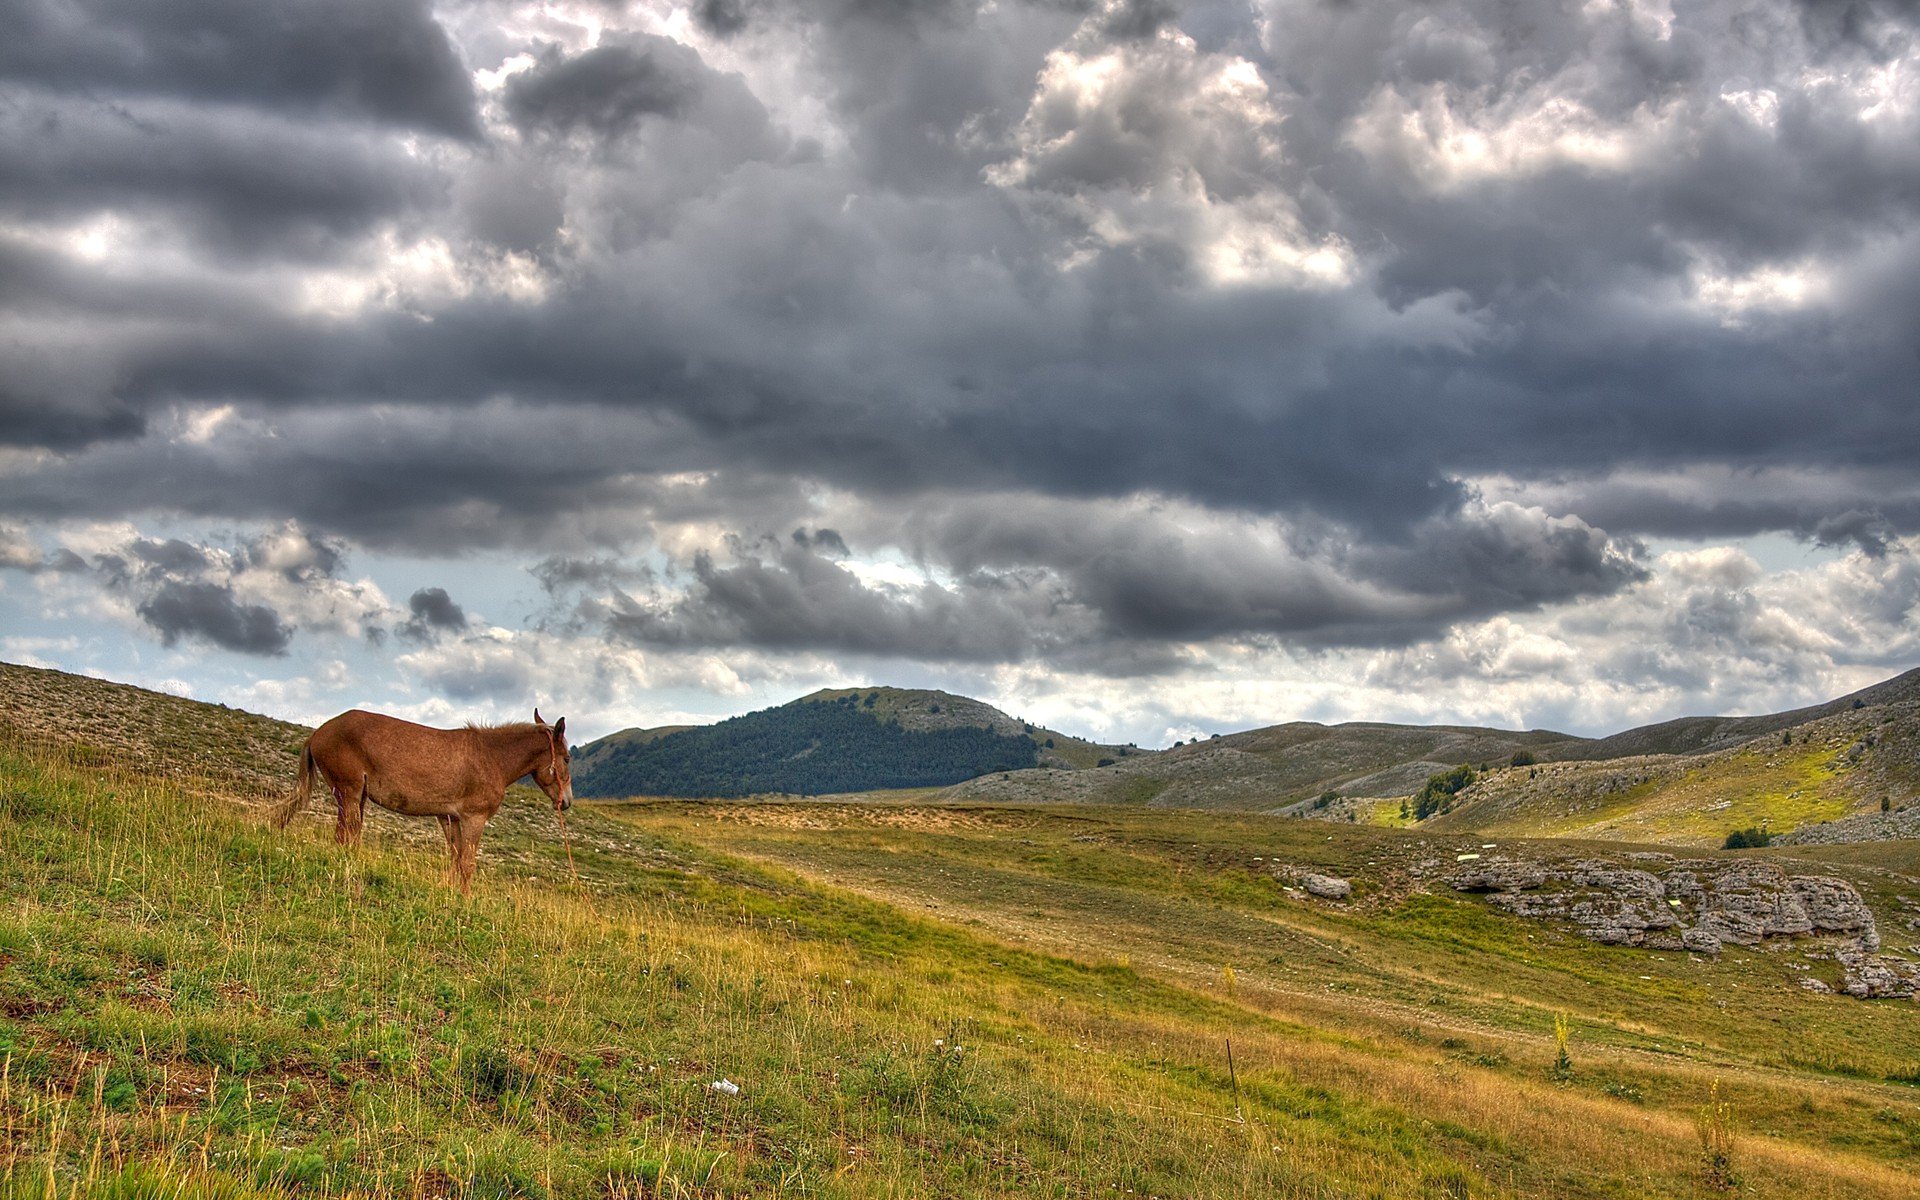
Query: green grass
point(914, 1002)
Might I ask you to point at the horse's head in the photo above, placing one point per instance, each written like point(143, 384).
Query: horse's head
point(555, 776)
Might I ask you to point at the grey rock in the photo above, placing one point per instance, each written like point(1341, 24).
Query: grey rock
point(1877, 976)
point(1327, 887)
point(1814, 985)
point(1498, 875)
point(1700, 941)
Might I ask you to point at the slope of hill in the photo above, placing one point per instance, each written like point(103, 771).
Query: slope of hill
point(1274, 768)
point(1694, 735)
point(1844, 762)
point(875, 1000)
point(835, 741)
point(1716, 775)
point(224, 749)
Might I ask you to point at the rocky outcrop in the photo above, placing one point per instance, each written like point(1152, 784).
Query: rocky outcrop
point(1902, 822)
point(1697, 905)
point(1878, 976)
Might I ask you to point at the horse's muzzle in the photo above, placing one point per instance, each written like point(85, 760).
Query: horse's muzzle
point(565, 801)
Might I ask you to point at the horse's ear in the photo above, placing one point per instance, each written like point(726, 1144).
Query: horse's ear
point(560, 730)
point(536, 717)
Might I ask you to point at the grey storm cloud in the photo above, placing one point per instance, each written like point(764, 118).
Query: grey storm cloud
point(386, 60)
point(606, 89)
point(431, 613)
point(1118, 593)
point(250, 596)
point(1230, 256)
point(797, 600)
point(178, 610)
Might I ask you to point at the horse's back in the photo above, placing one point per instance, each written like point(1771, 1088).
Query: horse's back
point(396, 758)
point(375, 737)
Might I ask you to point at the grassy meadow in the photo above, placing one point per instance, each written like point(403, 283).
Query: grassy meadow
point(911, 1001)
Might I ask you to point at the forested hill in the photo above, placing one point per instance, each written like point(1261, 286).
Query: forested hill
point(810, 747)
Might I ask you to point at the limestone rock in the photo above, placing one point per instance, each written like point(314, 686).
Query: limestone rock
point(1878, 976)
point(1327, 887)
point(1698, 905)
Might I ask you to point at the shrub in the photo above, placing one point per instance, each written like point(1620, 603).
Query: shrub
point(1437, 796)
point(1747, 839)
point(1522, 758)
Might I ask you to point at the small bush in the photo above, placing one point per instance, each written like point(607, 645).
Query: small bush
point(1747, 839)
point(1522, 758)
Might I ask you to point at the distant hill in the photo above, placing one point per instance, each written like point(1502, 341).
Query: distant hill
point(1840, 764)
point(1688, 781)
point(1698, 735)
point(835, 741)
point(1275, 768)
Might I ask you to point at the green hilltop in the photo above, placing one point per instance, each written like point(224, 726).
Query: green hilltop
point(830, 742)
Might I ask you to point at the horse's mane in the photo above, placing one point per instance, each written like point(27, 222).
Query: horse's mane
point(504, 726)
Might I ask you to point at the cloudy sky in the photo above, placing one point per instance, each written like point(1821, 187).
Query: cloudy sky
point(1148, 368)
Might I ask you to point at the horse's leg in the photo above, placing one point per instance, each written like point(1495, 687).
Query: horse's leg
point(342, 835)
point(353, 815)
point(450, 828)
point(471, 826)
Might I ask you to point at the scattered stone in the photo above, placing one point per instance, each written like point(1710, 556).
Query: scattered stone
point(1814, 985)
point(1877, 976)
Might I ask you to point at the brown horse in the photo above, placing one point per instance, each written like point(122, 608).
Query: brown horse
point(459, 776)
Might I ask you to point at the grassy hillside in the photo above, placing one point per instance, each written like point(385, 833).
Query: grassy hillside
point(1271, 769)
point(1693, 735)
point(1820, 770)
point(912, 1001)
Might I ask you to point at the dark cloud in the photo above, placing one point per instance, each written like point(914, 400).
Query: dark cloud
point(384, 60)
point(797, 600)
point(560, 573)
point(1120, 590)
point(722, 17)
point(607, 89)
point(822, 539)
point(433, 613)
point(1133, 19)
point(243, 183)
point(1868, 530)
point(249, 596)
point(178, 611)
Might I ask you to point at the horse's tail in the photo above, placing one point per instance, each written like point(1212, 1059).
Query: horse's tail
point(289, 808)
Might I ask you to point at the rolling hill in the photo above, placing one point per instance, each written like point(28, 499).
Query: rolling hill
point(1270, 769)
point(832, 741)
point(1837, 764)
point(1684, 782)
